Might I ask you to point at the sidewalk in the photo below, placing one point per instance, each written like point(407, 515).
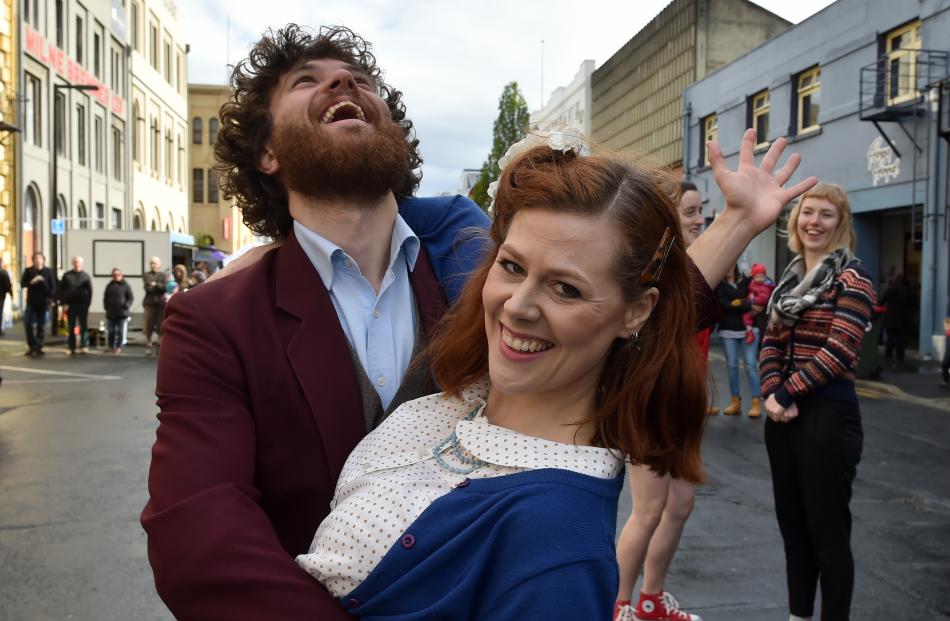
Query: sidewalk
point(13, 341)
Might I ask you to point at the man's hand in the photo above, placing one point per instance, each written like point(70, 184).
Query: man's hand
point(754, 193)
point(36, 280)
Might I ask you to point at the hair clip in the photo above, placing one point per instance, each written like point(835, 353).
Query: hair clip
point(651, 274)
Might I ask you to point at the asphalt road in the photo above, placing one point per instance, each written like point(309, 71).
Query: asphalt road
point(75, 436)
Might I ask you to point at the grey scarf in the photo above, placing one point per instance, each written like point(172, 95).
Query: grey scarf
point(796, 291)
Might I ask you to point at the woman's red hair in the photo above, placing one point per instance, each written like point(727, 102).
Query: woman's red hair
point(652, 405)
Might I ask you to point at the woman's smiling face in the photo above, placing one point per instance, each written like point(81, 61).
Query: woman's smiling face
point(553, 305)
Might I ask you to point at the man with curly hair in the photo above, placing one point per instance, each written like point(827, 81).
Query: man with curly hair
point(310, 345)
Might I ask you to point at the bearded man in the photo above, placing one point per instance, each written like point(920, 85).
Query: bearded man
point(309, 346)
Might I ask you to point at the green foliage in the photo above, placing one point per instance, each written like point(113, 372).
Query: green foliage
point(204, 239)
point(509, 128)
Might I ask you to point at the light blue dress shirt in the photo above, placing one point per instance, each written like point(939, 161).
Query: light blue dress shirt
point(380, 327)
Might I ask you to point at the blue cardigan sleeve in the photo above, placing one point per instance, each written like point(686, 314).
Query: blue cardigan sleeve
point(452, 229)
point(581, 590)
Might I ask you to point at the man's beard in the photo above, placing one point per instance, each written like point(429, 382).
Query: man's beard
point(359, 165)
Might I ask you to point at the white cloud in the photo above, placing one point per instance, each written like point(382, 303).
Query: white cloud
point(451, 59)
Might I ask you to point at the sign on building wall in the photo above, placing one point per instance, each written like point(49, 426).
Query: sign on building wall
point(883, 164)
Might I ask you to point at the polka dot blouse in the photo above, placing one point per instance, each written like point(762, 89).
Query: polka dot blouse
point(392, 476)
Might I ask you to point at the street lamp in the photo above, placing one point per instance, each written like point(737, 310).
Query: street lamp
point(54, 194)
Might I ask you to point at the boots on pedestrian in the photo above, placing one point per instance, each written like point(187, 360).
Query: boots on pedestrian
point(734, 407)
point(756, 410)
point(712, 410)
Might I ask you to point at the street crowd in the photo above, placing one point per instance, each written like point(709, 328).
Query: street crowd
point(434, 412)
point(73, 293)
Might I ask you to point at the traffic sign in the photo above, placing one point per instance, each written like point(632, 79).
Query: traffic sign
point(58, 226)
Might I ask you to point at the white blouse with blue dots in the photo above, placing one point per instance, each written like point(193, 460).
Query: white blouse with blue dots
point(391, 477)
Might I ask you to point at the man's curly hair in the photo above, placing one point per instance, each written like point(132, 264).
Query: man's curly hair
point(246, 123)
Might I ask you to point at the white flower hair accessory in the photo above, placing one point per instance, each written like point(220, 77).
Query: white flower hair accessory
point(559, 138)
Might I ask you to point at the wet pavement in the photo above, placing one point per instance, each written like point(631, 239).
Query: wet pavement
point(75, 435)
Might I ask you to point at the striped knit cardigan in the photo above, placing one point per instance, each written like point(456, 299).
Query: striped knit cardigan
point(820, 351)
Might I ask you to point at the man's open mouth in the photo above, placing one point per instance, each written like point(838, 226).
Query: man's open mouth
point(342, 111)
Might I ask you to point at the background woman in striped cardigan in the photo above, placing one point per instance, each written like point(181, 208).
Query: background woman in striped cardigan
point(818, 315)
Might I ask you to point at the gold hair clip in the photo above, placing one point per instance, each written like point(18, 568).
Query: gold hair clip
point(651, 274)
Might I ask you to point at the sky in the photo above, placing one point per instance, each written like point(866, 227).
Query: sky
point(450, 58)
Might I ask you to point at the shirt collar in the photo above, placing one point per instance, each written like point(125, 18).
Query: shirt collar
point(321, 250)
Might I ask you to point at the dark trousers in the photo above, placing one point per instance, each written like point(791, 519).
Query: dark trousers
point(814, 460)
point(894, 342)
point(77, 315)
point(34, 318)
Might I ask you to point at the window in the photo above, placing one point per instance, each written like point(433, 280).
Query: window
point(212, 130)
point(59, 112)
point(155, 146)
point(168, 60)
point(31, 13)
point(81, 134)
point(213, 186)
point(760, 117)
point(97, 54)
point(153, 44)
point(82, 215)
point(181, 160)
point(138, 128)
point(80, 36)
point(169, 156)
point(115, 65)
point(100, 216)
point(198, 185)
point(34, 110)
point(196, 130)
point(901, 47)
point(60, 24)
point(117, 159)
point(137, 27)
point(710, 134)
point(98, 158)
point(116, 222)
point(137, 221)
point(809, 99)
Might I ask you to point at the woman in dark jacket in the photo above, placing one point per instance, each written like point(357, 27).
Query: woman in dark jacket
point(117, 301)
point(733, 297)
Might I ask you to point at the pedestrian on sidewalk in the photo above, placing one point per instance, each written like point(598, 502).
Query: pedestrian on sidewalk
point(661, 503)
point(6, 288)
point(760, 292)
point(117, 302)
point(900, 302)
point(818, 315)
point(75, 294)
point(153, 304)
point(180, 275)
point(40, 286)
point(733, 296)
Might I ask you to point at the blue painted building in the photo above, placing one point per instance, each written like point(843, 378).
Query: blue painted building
point(862, 91)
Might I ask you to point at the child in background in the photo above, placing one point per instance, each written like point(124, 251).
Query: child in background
point(760, 290)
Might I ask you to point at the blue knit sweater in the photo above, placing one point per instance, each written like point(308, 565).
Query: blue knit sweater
point(533, 545)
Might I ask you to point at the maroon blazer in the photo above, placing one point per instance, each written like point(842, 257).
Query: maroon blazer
point(260, 408)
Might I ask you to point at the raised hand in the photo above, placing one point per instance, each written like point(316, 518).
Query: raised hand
point(754, 192)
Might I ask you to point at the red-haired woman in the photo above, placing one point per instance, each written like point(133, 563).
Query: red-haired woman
point(570, 348)
point(818, 315)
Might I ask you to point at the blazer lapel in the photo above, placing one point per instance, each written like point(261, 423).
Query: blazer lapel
point(319, 355)
point(429, 295)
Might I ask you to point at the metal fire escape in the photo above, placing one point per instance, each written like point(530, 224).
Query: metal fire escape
point(897, 89)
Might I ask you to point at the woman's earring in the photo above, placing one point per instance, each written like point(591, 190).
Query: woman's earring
point(635, 338)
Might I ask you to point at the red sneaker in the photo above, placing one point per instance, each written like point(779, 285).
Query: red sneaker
point(623, 611)
point(661, 607)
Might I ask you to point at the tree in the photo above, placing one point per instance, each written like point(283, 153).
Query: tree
point(509, 128)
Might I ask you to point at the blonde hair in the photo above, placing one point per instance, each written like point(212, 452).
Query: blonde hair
point(844, 236)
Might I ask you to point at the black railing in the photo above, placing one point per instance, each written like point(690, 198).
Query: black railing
point(893, 85)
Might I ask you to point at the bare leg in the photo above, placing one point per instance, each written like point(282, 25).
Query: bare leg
point(679, 504)
point(649, 498)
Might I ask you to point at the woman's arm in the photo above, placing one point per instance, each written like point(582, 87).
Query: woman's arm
point(840, 350)
point(754, 199)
